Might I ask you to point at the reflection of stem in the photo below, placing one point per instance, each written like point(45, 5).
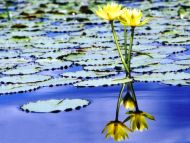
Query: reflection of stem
point(134, 95)
point(130, 85)
point(130, 50)
point(125, 42)
point(118, 48)
point(118, 102)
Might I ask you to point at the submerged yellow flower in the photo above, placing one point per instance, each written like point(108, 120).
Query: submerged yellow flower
point(137, 120)
point(132, 17)
point(129, 102)
point(117, 130)
point(110, 12)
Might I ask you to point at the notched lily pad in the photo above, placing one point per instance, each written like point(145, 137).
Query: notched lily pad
point(55, 105)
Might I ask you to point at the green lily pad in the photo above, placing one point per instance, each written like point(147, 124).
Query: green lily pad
point(88, 74)
point(55, 105)
point(183, 62)
point(159, 77)
point(11, 62)
point(158, 68)
point(24, 78)
point(48, 64)
point(177, 82)
point(23, 69)
point(17, 88)
point(102, 82)
point(58, 81)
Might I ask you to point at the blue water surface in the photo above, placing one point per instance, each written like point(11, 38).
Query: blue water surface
point(169, 104)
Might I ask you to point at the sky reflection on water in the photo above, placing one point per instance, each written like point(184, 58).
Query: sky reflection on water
point(169, 105)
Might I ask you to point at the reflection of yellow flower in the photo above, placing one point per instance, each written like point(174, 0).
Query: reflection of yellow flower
point(129, 102)
point(137, 120)
point(110, 12)
point(117, 130)
point(132, 17)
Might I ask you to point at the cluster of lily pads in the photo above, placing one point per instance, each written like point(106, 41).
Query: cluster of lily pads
point(46, 43)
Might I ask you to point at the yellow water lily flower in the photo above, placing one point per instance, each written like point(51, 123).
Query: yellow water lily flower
point(137, 120)
point(109, 12)
point(132, 17)
point(128, 102)
point(116, 130)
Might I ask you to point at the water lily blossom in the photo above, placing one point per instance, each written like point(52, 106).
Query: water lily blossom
point(116, 130)
point(129, 102)
point(132, 17)
point(109, 12)
point(137, 120)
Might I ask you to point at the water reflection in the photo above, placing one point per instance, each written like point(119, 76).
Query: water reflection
point(169, 105)
point(117, 129)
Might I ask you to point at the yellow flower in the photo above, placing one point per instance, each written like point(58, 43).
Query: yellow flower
point(110, 12)
point(137, 120)
point(132, 17)
point(116, 130)
point(129, 102)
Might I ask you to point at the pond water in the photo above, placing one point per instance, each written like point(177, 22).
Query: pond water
point(169, 104)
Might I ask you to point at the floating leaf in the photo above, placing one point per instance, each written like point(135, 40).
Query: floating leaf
point(55, 105)
point(24, 69)
point(102, 82)
point(17, 88)
point(177, 82)
point(58, 81)
point(24, 78)
point(87, 74)
point(162, 77)
point(48, 64)
point(183, 62)
point(160, 68)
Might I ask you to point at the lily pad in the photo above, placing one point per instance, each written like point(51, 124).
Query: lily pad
point(58, 81)
point(24, 78)
point(159, 77)
point(52, 64)
point(23, 69)
point(55, 105)
point(102, 82)
point(88, 74)
point(17, 88)
point(177, 82)
point(160, 68)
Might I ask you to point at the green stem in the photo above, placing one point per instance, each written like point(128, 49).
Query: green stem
point(134, 95)
point(118, 102)
point(118, 48)
point(7, 11)
point(130, 50)
point(125, 42)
